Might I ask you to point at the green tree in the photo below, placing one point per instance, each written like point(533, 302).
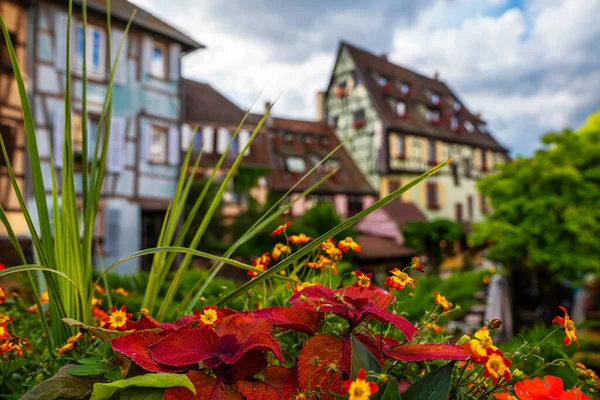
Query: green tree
point(546, 209)
point(212, 241)
point(425, 238)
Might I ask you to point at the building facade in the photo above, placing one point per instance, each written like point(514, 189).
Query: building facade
point(143, 157)
point(401, 124)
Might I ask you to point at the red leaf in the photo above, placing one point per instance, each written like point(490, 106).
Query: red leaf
point(135, 346)
point(279, 383)
point(372, 344)
point(319, 298)
point(244, 326)
point(314, 364)
point(259, 390)
point(398, 321)
point(249, 365)
point(403, 386)
point(422, 352)
point(292, 318)
point(185, 347)
point(230, 350)
point(207, 388)
point(380, 297)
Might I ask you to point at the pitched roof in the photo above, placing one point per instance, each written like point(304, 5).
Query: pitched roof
point(377, 248)
point(123, 9)
point(312, 141)
point(205, 106)
point(403, 212)
point(417, 101)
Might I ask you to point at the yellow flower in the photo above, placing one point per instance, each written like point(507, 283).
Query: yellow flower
point(210, 316)
point(299, 239)
point(333, 252)
point(349, 244)
point(4, 318)
point(3, 332)
point(442, 301)
point(497, 366)
point(120, 291)
point(481, 345)
point(44, 298)
point(399, 280)
point(360, 389)
point(2, 295)
point(569, 327)
point(279, 249)
point(117, 318)
point(301, 286)
point(71, 343)
point(96, 302)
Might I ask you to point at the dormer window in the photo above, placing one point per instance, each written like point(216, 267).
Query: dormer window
point(457, 106)
point(382, 81)
point(433, 116)
point(469, 126)
point(482, 128)
point(295, 164)
point(435, 98)
point(404, 88)
point(401, 109)
point(288, 137)
point(454, 123)
point(392, 102)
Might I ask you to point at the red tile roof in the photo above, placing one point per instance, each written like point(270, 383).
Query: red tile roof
point(419, 97)
point(403, 213)
point(377, 248)
point(312, 141)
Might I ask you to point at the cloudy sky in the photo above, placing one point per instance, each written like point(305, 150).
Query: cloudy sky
point(528, 66)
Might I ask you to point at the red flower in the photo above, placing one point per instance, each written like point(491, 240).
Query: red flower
point(2, 266)
point(496, 366)
point(360, 389)
point(358, 123)
point(364, 281)
point(569, 327)
point(551, 388)
point(280, 229)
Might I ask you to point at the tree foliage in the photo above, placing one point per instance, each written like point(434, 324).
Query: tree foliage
point(425, 238)
point(546, 209)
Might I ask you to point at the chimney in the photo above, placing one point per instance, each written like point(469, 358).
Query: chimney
point(384, 56)
point(267, 106)
point(436, 76)
point(320, 105)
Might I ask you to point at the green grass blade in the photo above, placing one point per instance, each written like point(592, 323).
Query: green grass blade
point(317, 242)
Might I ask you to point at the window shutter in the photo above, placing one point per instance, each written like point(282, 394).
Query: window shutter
point(117, 150)
point(121, 70)
point(441, 194)
point(112, 233)
point(61, 20)
point(208, 134)
point(407, 146)
point(222, 140)
point(423, 195)
point(244, 137)
point(91, 139)
point(477, 159)
point(393, 151)
point(186, 136)
point(173, 146)
point(146, 54)
point(58, 135)
point(174, 53)
point(147, 134)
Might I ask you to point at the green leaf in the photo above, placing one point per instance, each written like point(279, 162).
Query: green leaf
point(104, 391)
point(391, 392)
point(114, 374)
point(433, 386)
point(90, 361)
point(362, 358)
point(63, 386)
point(139, 393)
point(103, 334)
point(88, 369)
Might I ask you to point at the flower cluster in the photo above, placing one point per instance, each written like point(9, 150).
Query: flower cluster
point(483, 352)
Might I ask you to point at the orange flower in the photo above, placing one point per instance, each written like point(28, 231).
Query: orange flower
point(209, 316)
point(96, 302)
point(349, 244)
point(505, 396)
point(569, 327)
point(120, 291)
point(433, 327)
point(3, 331)
point(100, 289)
point(333, 252)
point(16, 344)
point(417, 267)
point(44, 298)
point(496, 366)
point(364, 281)
point(261, 263)
point(71, 343)
point(442, 301)
point(117, 320)
point(5, 318)
point(299, 239)
point(2, 295)
point(280, 229)
point(279, 249)
point(399, 280)
point(360, 389)
point(550, 388)
point(462, 364)
point(99, 314)
point(481, 346)
point(301, 286)
point(32, 309)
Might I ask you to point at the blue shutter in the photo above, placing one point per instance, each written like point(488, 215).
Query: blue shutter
point(112, 231)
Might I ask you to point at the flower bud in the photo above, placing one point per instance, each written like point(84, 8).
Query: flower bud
point(464, 339)
point(495, 323)
point(384, 378)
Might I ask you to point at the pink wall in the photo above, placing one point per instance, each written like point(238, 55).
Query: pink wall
point(299, 207)
point(341, 204)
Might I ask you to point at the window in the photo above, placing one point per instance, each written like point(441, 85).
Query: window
point(96, 50)
point(359, 115)
point(417, 147)
point(331, 164)
point(393, 185)
point(484, 205)
point(432, 196)
point(483, 160)
point(459, 212)
point(457, 106)
point(401, 149)
point(482, 128)
point(333, 121)
point(468, 168)
point(158, 63)
point(77, 128)
point(404, 88)
point(432, 116)
point(454, 123)
point(5, 64)
point(295, 164)
point(470, 206)
point(9, 142)
point(431, 152)
point(469, 126)
point(435, 98)
point(382, 81)
point(392, 103)
point(455, 174)
point(158, 145)
point(401, 109)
